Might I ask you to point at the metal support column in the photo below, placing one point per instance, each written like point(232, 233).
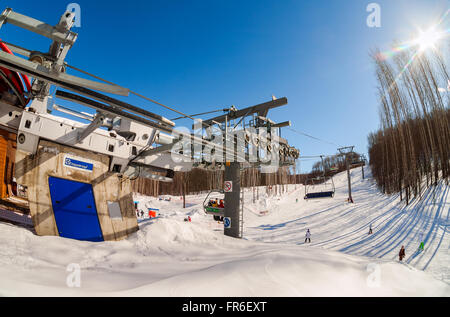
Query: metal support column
point(345, 151)
point(350, 198)
point(233, 199)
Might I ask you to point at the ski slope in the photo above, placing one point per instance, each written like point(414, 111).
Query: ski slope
point(337, 225)
point(171, 257)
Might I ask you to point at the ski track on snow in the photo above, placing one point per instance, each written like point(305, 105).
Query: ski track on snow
point(337, 225)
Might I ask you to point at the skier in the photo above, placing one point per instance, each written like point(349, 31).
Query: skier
point(422, 243)
point(401, 254)
point(308, 236)
point(136, 208)
point(370, 229)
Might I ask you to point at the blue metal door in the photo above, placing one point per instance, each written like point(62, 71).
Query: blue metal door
point(74, 208)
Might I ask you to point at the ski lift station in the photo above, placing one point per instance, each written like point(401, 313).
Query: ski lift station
point(75, 174)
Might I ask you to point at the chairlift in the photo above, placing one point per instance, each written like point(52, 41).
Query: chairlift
point(357, 160)
point(211, 209)
point(325, 185)
point(327, 189)
point(357, 163)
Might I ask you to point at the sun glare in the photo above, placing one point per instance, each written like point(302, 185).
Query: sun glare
point(428, 39)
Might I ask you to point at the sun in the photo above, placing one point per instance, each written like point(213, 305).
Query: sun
point(428, 39)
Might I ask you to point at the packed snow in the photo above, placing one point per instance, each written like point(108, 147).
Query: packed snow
point(169, 256)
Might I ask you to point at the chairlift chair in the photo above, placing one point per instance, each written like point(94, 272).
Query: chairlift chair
point(217, 212)
point(357, 163)
point(327, 188)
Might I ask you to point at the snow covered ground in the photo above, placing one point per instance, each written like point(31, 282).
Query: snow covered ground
point(171, 257)
point(337, 225)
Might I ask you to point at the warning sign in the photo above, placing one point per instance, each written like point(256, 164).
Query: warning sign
point(228, 187)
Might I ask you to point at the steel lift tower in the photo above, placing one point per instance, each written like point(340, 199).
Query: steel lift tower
point(259, 136)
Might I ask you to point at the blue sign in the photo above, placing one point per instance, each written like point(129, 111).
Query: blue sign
point(73, 163)
point(227, 222)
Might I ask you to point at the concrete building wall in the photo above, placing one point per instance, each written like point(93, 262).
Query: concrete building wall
point(33, 171)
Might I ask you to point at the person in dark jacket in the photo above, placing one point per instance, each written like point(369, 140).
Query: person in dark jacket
point(401, 254)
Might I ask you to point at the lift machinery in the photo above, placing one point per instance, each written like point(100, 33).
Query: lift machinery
point(76, 166)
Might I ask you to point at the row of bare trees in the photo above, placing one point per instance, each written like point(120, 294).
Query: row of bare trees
point(199, 180)
point(412, 146)
point(194, 181)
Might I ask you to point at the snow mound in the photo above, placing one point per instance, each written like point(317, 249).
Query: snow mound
point(167, 231)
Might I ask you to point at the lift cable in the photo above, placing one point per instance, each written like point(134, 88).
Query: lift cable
point(199, 114)
point(314, 156)
point(139, 95)
point(312, 137)
point(131, 92)
point(111, 83)
point(144, 97)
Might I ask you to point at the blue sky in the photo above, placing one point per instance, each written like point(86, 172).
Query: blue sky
point(203, 55)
